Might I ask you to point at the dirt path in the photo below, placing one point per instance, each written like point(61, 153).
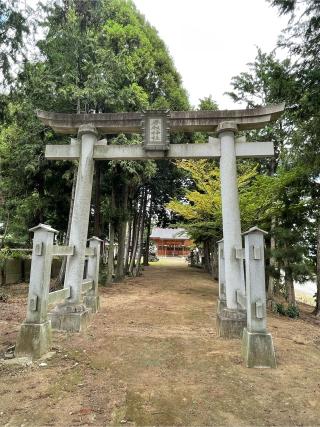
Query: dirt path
point(152, 357)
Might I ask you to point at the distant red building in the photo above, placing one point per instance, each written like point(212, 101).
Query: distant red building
point(171, 241)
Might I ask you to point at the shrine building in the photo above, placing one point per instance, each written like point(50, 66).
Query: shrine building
point(171, 242)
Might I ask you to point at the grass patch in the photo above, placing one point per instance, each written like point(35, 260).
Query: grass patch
point(66, 383)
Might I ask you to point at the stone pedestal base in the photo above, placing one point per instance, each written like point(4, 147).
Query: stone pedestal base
point(221, 305)
point(73, 318)
point(92, 302)
point(258, 350)
point(230, 323)
point(34, 340)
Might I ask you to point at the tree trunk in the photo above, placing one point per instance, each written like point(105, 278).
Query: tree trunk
point(3, 274)
point(126, 247)
point(288, 279)
point(62, 271)
point(272, 164)
point(317, 309)
point(97, 201)
point(272, 261)
point(135, 238)
point(206, 256)
point(290, 289)
point(122, 236)
point(141, 231)
point(110, 265)
point(5, 231)
point(134, 226)
point(214, 260)
point(147, 248)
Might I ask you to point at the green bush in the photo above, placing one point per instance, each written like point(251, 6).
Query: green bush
point(8, 253)
point(292, 311)
point(280, 309)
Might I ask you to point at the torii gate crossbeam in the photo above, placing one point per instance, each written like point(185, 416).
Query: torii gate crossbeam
point(211, 150)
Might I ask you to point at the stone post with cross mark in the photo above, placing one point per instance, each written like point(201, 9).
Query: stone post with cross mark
point(257, 344)
point(34, 337)
point(222, 303)
point(91, 299)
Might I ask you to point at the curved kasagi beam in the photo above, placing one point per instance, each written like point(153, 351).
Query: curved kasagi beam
point(180, 121)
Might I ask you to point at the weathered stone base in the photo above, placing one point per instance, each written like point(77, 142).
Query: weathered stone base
point(73, 318)
point(258, 350)
point(34, 340)
point(221, 305)
point(92, 302)
point(230, 323)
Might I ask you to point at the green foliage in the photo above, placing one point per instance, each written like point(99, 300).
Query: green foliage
point(292, 311)
point(287, 181)
point(94, 57)
point(207, 103)
point(13, 26)
point(201, 207)
point(104, 57)
point(7, 253)
point(279, 308)
point(267, 80)
point(30, 186)
point(302, 38)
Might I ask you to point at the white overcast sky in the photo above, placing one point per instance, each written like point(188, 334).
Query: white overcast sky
point(212, 40)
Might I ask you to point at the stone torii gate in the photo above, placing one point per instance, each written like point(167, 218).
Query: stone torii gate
point(157, 126)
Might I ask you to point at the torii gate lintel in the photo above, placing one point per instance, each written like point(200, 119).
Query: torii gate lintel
point(180, 121)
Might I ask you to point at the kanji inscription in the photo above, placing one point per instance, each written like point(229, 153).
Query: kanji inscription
point(155, 126)
point(155, 130)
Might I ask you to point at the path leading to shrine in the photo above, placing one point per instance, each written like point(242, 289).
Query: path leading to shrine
point(152, 357)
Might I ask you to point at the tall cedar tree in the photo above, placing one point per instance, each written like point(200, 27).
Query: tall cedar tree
point(302, 39)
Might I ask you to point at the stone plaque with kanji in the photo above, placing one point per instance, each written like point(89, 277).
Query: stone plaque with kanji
point(156, 130)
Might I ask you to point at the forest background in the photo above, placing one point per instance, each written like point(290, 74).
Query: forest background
point(103, 56)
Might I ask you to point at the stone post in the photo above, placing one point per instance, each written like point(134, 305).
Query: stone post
point(73, 315)
point(91, 299)
point(34, 337)
point(222, 303)
point(232, 319)
point(257, 345)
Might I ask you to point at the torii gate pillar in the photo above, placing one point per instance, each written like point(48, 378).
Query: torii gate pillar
point(73, 315)
point(231, 320)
